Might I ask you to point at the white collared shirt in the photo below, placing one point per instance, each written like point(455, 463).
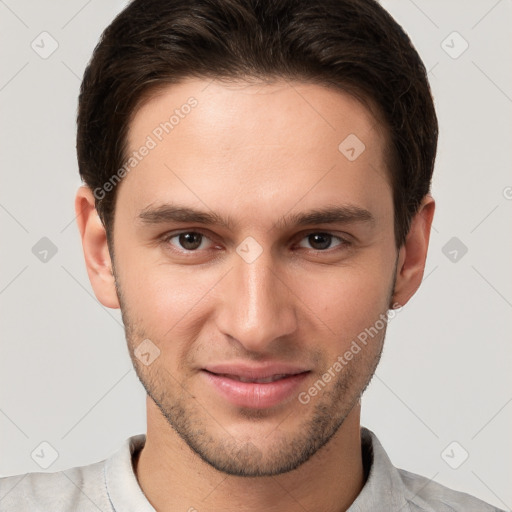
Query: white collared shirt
point(111, 486)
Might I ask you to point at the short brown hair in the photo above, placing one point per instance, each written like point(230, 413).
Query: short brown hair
point(352, 45)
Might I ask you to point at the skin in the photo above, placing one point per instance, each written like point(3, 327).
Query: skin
point(254, 154)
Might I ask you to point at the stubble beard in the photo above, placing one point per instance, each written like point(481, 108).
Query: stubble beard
point(281, 452)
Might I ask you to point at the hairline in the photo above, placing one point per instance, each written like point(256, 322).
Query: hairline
point(154, 90)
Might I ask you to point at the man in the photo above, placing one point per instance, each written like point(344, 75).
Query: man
point(257, 199)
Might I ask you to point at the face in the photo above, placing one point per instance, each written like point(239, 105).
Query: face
point(251, 247)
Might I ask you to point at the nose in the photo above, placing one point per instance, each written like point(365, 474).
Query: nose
point(258, 307)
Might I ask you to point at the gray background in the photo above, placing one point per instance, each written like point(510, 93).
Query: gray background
point(65, 375)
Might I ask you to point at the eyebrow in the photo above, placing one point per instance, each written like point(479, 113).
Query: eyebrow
point(343, 214)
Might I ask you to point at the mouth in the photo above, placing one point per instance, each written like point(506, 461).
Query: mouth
point(261, 380)
point(257, 388)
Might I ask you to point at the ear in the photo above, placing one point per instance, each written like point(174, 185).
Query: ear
point(96, 253)
point(413, 254)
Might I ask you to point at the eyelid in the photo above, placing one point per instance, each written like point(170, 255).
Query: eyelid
point(171, 234)
point(345, 239)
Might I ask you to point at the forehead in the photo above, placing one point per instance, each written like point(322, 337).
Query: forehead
point(283, 142)
point(260, 110)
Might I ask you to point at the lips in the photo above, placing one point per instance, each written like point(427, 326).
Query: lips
point(262, 380)
point(260, 371)
point(253, 386)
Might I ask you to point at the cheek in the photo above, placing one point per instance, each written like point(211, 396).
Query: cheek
point(164, 297)
point(348, 300)
point(173, 302)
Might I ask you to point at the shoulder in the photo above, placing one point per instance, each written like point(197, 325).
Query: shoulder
point(426, 495)
point(81, 488)
point(107, 485)
point(397, 489)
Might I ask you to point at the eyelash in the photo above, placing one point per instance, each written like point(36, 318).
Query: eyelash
point(344, 243)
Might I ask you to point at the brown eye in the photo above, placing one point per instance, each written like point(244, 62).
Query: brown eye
point(187, 241)
point(190, 241)
point(322, 241)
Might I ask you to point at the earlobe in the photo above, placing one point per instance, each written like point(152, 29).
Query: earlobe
point(95, 247)
point(413, 254)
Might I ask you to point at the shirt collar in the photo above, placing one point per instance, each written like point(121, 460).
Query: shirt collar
point(383, 489)
point(121, 483)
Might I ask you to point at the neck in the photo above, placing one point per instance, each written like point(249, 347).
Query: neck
point(173, 477)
